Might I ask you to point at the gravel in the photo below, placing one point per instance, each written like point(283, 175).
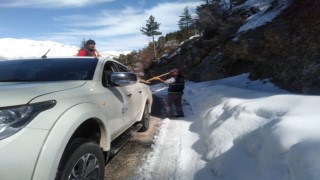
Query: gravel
point(130, 157)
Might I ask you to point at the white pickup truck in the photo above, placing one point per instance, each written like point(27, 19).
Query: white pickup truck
point(59, 116)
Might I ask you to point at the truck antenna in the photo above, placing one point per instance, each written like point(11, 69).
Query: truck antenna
point(45, 55)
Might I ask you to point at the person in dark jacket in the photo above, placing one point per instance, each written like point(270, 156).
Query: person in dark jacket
point(175, 91)
point(89, 49)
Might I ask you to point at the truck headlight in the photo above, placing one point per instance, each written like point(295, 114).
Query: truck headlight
point(13, 119)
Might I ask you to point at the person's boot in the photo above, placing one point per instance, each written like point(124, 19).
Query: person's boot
point(169, 115)
point(179, 115)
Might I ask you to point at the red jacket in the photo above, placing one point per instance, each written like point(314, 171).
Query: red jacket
point(86, 52)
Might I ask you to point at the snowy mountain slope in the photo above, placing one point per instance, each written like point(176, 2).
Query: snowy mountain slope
point(11, 48)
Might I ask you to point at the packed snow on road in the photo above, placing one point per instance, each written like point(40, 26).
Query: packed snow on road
point(236, 128)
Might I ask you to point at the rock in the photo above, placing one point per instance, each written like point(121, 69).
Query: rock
point(286, 50)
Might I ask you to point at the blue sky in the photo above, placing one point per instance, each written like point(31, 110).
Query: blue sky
point(113, 24)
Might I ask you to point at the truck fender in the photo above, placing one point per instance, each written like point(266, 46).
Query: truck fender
point(60, 134)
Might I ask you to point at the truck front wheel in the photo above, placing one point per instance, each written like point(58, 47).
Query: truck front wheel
point(145, 121)
point(82, 159)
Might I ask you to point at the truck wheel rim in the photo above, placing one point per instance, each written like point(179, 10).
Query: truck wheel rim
point(87, 167)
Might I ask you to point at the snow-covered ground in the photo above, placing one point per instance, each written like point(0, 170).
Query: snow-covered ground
point(237, 129)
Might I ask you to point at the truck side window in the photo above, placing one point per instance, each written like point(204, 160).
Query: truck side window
point(107, 70)
point(121, 68)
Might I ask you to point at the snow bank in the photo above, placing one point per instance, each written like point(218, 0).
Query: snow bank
point(255, 131)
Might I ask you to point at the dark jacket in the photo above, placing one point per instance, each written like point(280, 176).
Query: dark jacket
point(177, 87)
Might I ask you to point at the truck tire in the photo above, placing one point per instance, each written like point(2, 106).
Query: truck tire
point(82, 159)
point(145, 121)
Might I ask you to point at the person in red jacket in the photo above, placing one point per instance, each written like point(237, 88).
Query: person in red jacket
point(89, 49)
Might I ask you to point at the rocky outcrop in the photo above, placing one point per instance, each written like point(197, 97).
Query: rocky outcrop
point(285, 50)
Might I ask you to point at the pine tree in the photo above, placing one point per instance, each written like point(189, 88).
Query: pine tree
point(186, 21)
point(151, 29)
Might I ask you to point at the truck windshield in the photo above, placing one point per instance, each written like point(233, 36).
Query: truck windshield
point(47, 69)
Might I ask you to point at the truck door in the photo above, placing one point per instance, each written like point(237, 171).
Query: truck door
point(133, 95)
point(116, 102)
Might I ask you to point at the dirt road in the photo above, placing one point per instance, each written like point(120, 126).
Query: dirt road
point(126, 161)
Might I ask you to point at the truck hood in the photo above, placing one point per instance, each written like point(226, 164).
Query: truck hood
point(17, 93)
